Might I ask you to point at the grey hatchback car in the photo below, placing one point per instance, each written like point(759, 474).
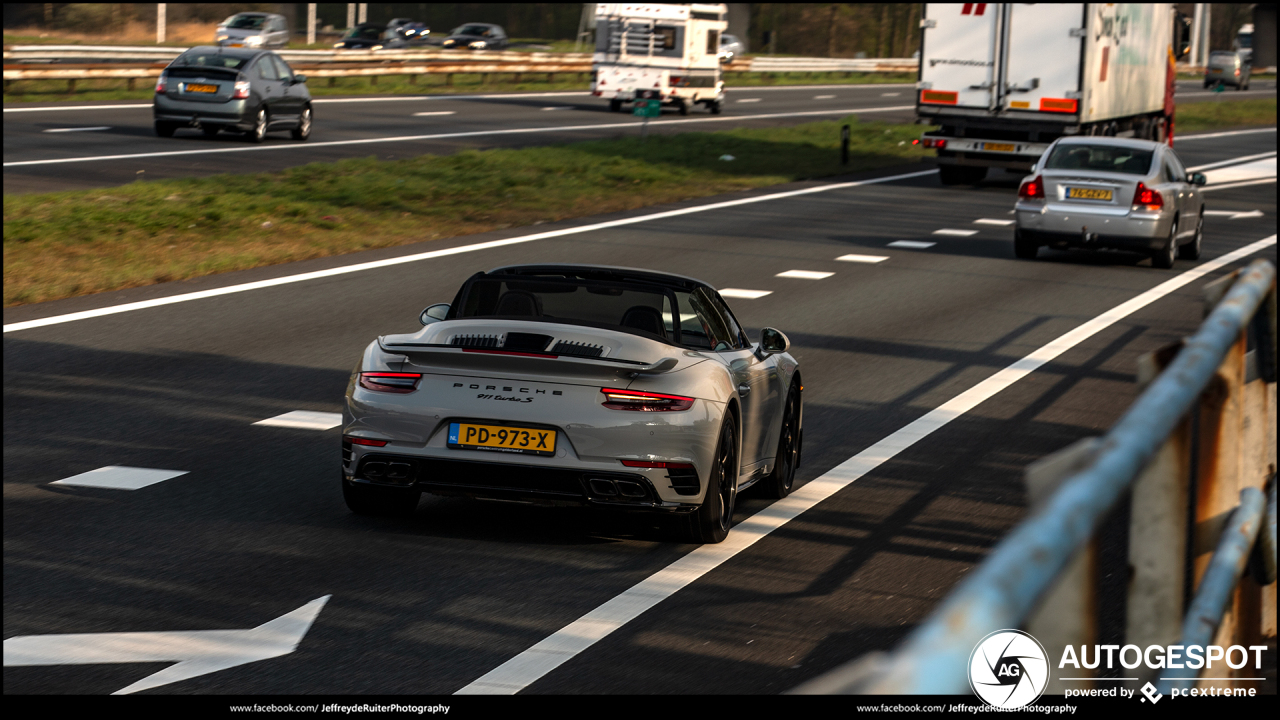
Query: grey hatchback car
point(1106, 192)
point(239, 90)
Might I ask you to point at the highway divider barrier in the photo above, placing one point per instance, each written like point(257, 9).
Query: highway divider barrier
point(1196, 455)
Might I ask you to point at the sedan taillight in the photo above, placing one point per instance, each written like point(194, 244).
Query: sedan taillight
point(161, 82)
point(1032, 189)
point(242, 90)
point(1146, 198)
point(644, 401)
point(390, 382)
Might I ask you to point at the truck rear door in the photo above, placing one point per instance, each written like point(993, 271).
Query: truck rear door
point(1043, 57)
point(959, 55)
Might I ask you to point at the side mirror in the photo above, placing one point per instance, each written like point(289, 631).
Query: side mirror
point(772, 342)
point(1198, 179)
point(434, 313)
point(299, 79)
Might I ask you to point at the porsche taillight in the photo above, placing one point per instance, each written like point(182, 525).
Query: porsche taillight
point(644, 401)
point(390, 382)
point(1147, 198)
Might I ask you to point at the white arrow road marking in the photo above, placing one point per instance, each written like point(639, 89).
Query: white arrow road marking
point(746, 294)
point(1234, 215)
point(118, 477)
point(198, 652)
point(304, 420)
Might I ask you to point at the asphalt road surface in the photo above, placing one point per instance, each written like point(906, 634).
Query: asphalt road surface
point(69, 146)
point(254, 527)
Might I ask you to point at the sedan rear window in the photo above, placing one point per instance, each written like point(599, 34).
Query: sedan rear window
point(216, 60)
point(1105, 158)
point(247, 22)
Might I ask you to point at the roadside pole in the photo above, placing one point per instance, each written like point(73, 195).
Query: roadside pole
point(160, 23)
point(311, 23)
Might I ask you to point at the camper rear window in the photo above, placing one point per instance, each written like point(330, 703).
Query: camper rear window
point(713, 42)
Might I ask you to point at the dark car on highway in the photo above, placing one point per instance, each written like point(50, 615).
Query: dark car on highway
point(238, 90)
point(365, 36)
point(477, 36)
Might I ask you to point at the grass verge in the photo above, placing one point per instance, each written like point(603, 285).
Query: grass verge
point(1213, 115)
point(60, 245)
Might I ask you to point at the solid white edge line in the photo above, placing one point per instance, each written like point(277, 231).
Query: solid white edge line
point(1232, 161)
point(441, 136)
point(529, 666)
point(79, 129)
point(1229, 133)
point(1243, 183)
point(157, 302)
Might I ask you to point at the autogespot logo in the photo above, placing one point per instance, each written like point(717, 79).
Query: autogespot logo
point(1008, 669)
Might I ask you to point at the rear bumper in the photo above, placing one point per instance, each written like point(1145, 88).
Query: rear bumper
point(1081, 228)
point(234, 113)
point(537, 484)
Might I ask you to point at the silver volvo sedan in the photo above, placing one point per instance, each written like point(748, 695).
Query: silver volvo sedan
point(1104, 192)
point(575, 384)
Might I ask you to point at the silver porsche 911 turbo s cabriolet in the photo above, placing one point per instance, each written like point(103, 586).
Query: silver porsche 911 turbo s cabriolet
point(577, 384)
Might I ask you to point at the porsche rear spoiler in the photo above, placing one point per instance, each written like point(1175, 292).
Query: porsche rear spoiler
point(464, 358)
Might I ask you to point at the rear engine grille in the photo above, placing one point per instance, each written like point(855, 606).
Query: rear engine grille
point(476, 341)
point(577, 349)
point(683, 480)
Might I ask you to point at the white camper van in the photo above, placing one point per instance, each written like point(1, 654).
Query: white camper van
point(673, 49)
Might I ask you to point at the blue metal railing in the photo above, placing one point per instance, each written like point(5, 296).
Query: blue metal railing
point(1004, 589)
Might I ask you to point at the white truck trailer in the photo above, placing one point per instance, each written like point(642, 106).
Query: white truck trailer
point(1003, 80)
point(673, 49)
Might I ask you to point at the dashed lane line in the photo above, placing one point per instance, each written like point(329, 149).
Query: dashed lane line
point(954, 232)
point(911, 244)
point(863, 258)
point(304, 420)
point(805, 274)
point(744, 294)
point(118, 477)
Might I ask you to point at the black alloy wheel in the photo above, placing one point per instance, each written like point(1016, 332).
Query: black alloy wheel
point(778, 484)
point(1191, 251)
point(1163, 259)
point(365, 499)
point(303, 131)
point(711, 521)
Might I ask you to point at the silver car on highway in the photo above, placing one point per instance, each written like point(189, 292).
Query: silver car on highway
point(1106, 192)
point(576, 384)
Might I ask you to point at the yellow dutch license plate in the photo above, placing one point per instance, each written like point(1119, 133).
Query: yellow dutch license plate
point(502, 438)
point(236, 45)
point(998, 147)
point(191, 87)
point(1076, 193)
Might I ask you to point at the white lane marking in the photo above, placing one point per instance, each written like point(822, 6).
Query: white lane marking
point(957, 233)
point(558, 107)
point(1264, 181)
point(992, 221)
point(1234, 214)
point(1205, 136)
point(805, 274)
point(116, 477)
point(157, 302)
point(749, 100)
point(434, 112)
point(197, 652)
point(890, 94)
point(304, 420)
point(441, 136)
point(745, 294)
point(1232, 161)
point(912, 244)
point(79, 129)
point(522, 670)
point(1255, 170)
point(863, 258)
point(824, 97)
point(77, 107)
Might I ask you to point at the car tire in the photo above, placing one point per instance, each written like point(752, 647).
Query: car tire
point(778, 484)
point(259, 130)
point(711, 521)
point(210, 130)
point(714, 107)
point(363, 499)
point(303, 131)
point(615, 106)
point(683, 107)
point(164, 129)
point(1024, 249)
point(1191, 251)
point(1163, 259)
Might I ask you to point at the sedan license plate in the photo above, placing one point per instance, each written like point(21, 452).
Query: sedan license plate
point(502, 438)
point(1078, 193)
point(192, 87)
point(998, 147)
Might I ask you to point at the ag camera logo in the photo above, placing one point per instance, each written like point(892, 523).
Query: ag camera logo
point(1008, 669)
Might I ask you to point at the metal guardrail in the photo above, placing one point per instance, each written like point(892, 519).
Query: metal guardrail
point(1041, 575)
point(114, 53)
